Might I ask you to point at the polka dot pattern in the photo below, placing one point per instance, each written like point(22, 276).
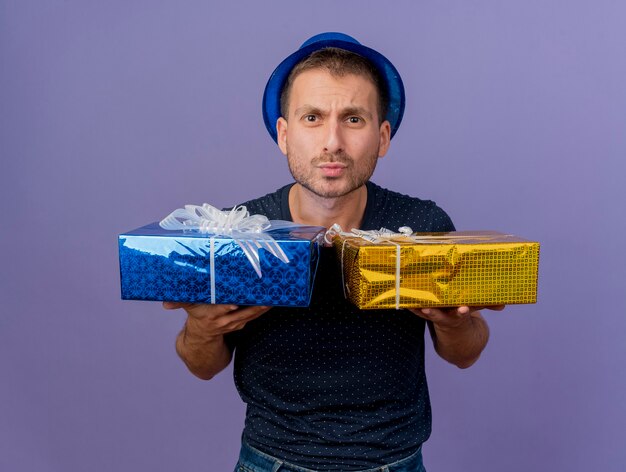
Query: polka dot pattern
point(331, 387)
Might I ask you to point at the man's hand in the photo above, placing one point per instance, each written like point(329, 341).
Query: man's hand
point(459, 334)
point(210, 321)
point(201, 343)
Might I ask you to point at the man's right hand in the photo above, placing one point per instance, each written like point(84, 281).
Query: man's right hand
point(210, 321)
point(201, 343)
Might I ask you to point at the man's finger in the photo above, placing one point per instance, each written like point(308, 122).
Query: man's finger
point(489, 307)
point(250, 313)
point(174, 305)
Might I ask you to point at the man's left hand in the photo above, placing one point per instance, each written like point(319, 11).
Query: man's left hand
point(459, 334)
point(451, 318)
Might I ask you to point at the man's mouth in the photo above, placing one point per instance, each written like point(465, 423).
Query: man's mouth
point(332, 169)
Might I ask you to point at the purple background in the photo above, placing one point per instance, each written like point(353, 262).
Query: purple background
point(114, 113)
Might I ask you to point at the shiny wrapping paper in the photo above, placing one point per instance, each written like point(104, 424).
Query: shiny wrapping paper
point(475, 268)
point(158, 264)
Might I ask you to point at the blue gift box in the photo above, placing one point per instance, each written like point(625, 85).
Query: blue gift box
point(158, 264)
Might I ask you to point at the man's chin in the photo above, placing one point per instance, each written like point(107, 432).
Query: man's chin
point(331, 191)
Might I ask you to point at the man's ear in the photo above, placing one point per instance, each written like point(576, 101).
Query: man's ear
point(385, 138)
point(281, 134)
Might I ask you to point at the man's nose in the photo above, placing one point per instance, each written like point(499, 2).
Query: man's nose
point(334, 137)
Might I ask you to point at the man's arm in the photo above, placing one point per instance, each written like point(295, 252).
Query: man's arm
point(201, 343)
point(459, 334)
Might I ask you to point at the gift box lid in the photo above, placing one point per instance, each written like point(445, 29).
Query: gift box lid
point(280, 233)
point(451, 237)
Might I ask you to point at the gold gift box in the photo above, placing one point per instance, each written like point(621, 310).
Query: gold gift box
point(474, 268)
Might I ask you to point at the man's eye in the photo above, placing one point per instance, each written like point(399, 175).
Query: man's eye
point(354, 119)
point(310, 118)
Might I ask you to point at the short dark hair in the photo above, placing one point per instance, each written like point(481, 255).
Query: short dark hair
point(338, 62)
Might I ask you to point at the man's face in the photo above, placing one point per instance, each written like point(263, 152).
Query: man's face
point(332, 138)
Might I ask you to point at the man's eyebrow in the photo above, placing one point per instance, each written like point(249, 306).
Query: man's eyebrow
point(308, 109)
point(356, 111)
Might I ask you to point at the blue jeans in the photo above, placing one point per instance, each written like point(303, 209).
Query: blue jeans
point(253, 460)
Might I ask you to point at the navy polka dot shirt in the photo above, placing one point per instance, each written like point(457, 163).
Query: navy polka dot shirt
point(331, 387)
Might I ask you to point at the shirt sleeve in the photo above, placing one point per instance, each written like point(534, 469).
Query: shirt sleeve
point(440, 221)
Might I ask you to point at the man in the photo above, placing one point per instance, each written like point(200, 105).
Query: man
point(331, 387)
